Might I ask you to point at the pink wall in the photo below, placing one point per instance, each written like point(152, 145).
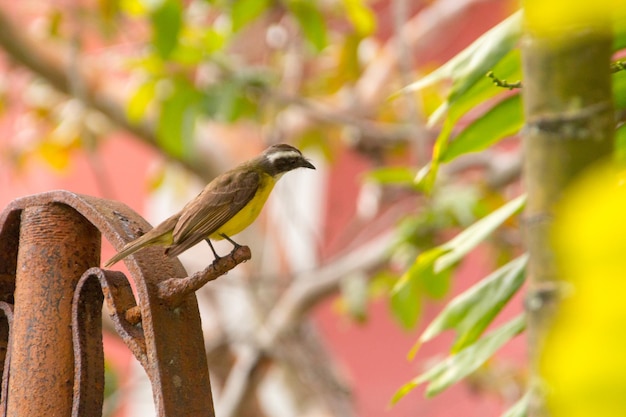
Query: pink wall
point(373, 355)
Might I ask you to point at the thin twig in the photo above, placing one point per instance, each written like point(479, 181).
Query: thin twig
point(504, 83)
point(405, 64)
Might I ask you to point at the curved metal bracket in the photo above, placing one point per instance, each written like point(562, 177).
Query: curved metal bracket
point(162, 327)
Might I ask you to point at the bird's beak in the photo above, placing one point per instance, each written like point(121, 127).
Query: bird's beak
point(306, 164)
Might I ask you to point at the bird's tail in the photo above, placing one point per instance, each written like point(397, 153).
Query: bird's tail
point(131, 247)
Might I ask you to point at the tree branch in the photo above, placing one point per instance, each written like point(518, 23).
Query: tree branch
point(29, 54)
point(304, 292)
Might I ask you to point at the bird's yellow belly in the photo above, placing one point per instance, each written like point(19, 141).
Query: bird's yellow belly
point(248, 214)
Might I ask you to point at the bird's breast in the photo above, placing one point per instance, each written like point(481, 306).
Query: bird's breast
point(249, 212)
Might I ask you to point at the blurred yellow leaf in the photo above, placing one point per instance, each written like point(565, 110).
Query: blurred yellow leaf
point(546, 18)
point(56, 155)
point(583, 362)
point(362, 18)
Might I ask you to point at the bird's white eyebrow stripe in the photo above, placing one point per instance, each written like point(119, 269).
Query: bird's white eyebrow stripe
point(273, 157)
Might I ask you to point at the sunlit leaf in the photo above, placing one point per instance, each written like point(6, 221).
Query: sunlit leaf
point(437, 285)
point(435, 263)
point(166, 25)
point(311, 21)
point(406, 294)
point(229, 100)
point(502, 120)
point(56, 155)
point(245, 11)
point(469, 238)
point(362, 18)
point(425, 178)
point(348, 69)
point(508, 68)
point(406, 303)
point(211, 40)
point(455, 107)
point(473, 62)
point(140, 100)
point(176, 122)
point(392, 175)
point(133, 7)
point(471, 312)
point(468, 360)
point(458, 366)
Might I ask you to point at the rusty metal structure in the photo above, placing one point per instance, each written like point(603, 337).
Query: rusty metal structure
point(51, 297)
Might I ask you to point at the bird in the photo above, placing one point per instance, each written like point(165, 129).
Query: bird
point(225, 207)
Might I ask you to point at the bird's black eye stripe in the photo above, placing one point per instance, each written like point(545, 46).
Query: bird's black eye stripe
point(285, 164)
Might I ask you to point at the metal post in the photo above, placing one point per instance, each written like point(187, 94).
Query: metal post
point(57, 245)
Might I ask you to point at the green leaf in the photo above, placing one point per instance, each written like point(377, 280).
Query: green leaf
point(392, 175)
point(492, 51)
point(406, 303)
point(245, 11)
point(435, 263)
point(425, 179)
point(230, 100)
point(503, 119)
point(140, 100)
point(468, 360)
point(311, 21)
point(472, 311)
point(469, 238)
point(436, 285)
point(509, 66)
point(458, 366)
point(348, 67)
point(406, 294)
point(473, 62)
point(176, 123)
point(619, 89)
point(166, 24)
point(520, 408)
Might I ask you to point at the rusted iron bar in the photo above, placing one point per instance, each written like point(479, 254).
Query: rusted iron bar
point(59, 227)
point(5, 341)
point(93, 287)
point(88, 347)
point(57, 245)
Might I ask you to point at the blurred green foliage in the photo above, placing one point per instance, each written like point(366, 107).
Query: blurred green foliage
point(496, 113)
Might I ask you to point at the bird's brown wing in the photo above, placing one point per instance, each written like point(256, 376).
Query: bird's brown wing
point(212, 208)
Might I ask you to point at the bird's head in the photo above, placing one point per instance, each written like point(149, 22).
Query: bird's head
point(281, 158)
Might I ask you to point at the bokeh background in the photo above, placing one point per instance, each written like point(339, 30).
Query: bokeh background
point(144, 102)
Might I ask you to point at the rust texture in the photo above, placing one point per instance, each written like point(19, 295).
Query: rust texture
point(88, 349)
point(52, 342)
point(5, 342)
point(56, 246)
